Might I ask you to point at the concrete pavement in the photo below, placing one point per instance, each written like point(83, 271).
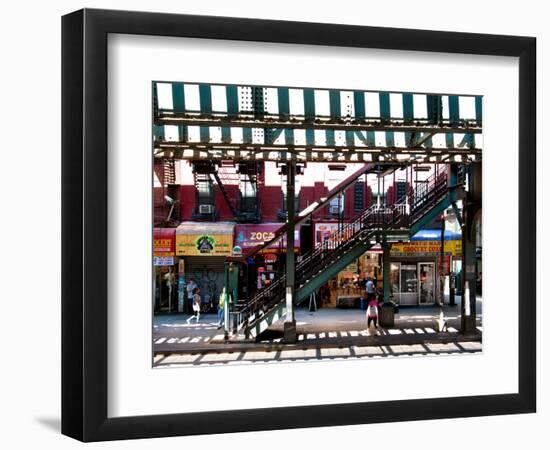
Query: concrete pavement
point(325, 329)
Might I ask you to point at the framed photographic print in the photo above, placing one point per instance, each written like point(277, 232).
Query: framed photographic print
point(273, 224)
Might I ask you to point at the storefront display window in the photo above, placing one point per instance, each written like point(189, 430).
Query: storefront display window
point(395, 278)
point(427, 284)
point(409, 281)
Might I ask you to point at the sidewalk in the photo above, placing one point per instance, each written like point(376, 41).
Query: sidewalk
point(326, 328)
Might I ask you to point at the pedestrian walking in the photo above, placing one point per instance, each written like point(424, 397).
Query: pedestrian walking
point(372, 313)
point(221, 308)
point(196, 306)
point(190, 288)
point(370, 289)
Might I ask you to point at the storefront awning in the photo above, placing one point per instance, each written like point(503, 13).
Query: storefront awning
point(204, 238)
point(435, 235)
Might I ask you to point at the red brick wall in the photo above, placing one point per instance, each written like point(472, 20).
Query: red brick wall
point(223, 210)
point(270, 200)
point(188, 201)
point(320, 190)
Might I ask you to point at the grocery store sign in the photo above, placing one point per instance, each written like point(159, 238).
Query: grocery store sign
point(426, 248)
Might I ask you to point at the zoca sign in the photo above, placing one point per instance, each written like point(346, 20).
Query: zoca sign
point(248, 236)
point(163, 260)
point(261, 236)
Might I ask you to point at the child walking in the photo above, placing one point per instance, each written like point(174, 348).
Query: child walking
point(372, 313)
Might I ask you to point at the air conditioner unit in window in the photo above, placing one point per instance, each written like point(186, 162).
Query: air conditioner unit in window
point(334, 209)
point(206, 209)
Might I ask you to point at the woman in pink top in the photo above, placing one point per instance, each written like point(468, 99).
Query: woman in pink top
point(372, 313)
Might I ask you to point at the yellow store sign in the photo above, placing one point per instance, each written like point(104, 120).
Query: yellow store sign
point(452, 247)
point(204, 244)
point(204, 239)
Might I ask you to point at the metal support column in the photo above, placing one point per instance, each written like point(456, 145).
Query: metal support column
point(386, 270)
point(290, 321)
point(472, 204)
point(442, 264)
point(468, 308)
point(227, 307)
point(233, 291)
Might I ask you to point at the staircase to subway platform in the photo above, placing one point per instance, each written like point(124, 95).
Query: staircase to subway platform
point(399, 221)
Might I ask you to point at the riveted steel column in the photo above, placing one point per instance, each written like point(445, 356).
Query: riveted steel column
point(442, 262)
point(290, 321)
point(386, 270)
point(472, 204)
point(234, 292)
point(227, 305)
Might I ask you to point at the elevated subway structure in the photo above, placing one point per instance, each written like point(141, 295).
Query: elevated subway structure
point(296, 126)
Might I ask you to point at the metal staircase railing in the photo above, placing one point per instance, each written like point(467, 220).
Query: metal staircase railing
point(401, 215)
point(314, 207)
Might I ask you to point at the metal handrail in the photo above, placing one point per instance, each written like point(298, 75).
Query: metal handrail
point(405, 212)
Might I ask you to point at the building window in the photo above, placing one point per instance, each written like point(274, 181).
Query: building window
point(248, 189)
point(336, 205)
point(359, 196)
point(205, 191)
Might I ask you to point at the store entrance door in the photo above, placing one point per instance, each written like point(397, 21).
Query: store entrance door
point(426, 276)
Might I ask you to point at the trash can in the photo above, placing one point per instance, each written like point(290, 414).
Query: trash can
point(364, 304)
point(387, 315)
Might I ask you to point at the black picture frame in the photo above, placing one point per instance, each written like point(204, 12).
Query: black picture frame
point(84, 224)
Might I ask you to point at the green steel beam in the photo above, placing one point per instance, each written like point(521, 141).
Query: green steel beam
point(303, 292)
point(178, 98)
point(309, 114)
point(408, 115)
point(334, 104)
point(158, 132)
point(479, 109)
point(283, 100)
point(359, 105)
point(205, 94)
point(436, 211)
point(372, 124)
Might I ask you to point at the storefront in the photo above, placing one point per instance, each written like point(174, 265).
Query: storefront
point(203, 247)
point(165, 270)
point(416, 266)
point(348, 287)
point(264, 267)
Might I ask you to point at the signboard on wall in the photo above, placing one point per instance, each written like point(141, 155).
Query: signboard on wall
point(204, 245)
point(163, 260)
point(426, 248)
point(248, 236)
point(164, 241)
point(204, 239)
